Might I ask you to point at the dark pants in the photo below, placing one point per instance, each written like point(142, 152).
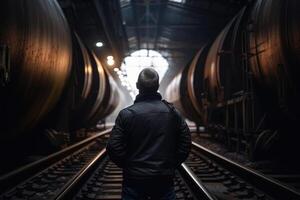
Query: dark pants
point(156, 190)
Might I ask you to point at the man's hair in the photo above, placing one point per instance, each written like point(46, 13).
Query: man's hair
point(148, 81)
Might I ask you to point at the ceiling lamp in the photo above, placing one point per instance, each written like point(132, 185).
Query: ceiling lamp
point(99, 44)
point(110, 60)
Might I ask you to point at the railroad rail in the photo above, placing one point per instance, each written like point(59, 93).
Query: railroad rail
point(106, 183)
point(46, 178)
point(225, 179)
point(84, 171)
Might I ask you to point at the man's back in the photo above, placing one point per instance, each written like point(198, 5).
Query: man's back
point(151, 130)
point(149, 140)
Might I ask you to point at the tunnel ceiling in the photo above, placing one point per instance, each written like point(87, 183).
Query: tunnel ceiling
point(98, 20)
point(175, 28)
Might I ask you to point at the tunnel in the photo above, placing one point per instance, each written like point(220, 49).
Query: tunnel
point(70, 71)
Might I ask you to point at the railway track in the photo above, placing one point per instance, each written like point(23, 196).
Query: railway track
point(102, 180)
point(281, 172)
point(106, 183)
point(49, 177)
point(225, 179)
point(83, 171)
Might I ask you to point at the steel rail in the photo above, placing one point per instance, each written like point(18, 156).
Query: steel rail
point(71, 186)
point(270, 186)
point(197, 187)
point(13, 178)
point(74, 185)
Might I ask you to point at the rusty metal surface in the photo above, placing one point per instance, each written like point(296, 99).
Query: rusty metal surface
point(108, 96)
point(173, 93)
point(38, 38)
point(222, 71)
point(83, 67)
point(96, 95)
point(110, 100)
point(102, 86)
point(191, 85)
point(186, 88)
point(274, 44)
point(267, 34)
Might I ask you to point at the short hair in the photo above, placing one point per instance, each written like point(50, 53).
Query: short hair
point(148, 81)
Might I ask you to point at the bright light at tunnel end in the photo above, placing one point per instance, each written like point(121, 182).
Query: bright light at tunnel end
point(135, 63)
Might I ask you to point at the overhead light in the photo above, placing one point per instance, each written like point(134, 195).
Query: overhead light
point(110, 60)
point(99, 44)
point(110, 57)
point(178, 1)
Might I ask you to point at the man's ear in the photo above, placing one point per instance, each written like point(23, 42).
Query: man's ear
point(137, 85)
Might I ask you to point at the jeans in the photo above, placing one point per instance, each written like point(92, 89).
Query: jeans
point(145, 191)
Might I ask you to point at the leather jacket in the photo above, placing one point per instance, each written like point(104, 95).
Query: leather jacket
point(149, 139)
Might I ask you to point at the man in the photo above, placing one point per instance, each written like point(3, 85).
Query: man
point(149, 140)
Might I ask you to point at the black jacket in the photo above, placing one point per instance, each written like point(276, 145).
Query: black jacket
point(150, 138)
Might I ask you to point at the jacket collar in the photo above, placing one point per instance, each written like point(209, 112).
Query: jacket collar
point(147, 97)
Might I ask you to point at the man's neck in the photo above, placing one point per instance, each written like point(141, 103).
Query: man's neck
point(147, 97)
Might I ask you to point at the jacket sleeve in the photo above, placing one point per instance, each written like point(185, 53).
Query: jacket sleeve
point(116, 146)
point(184, 142)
